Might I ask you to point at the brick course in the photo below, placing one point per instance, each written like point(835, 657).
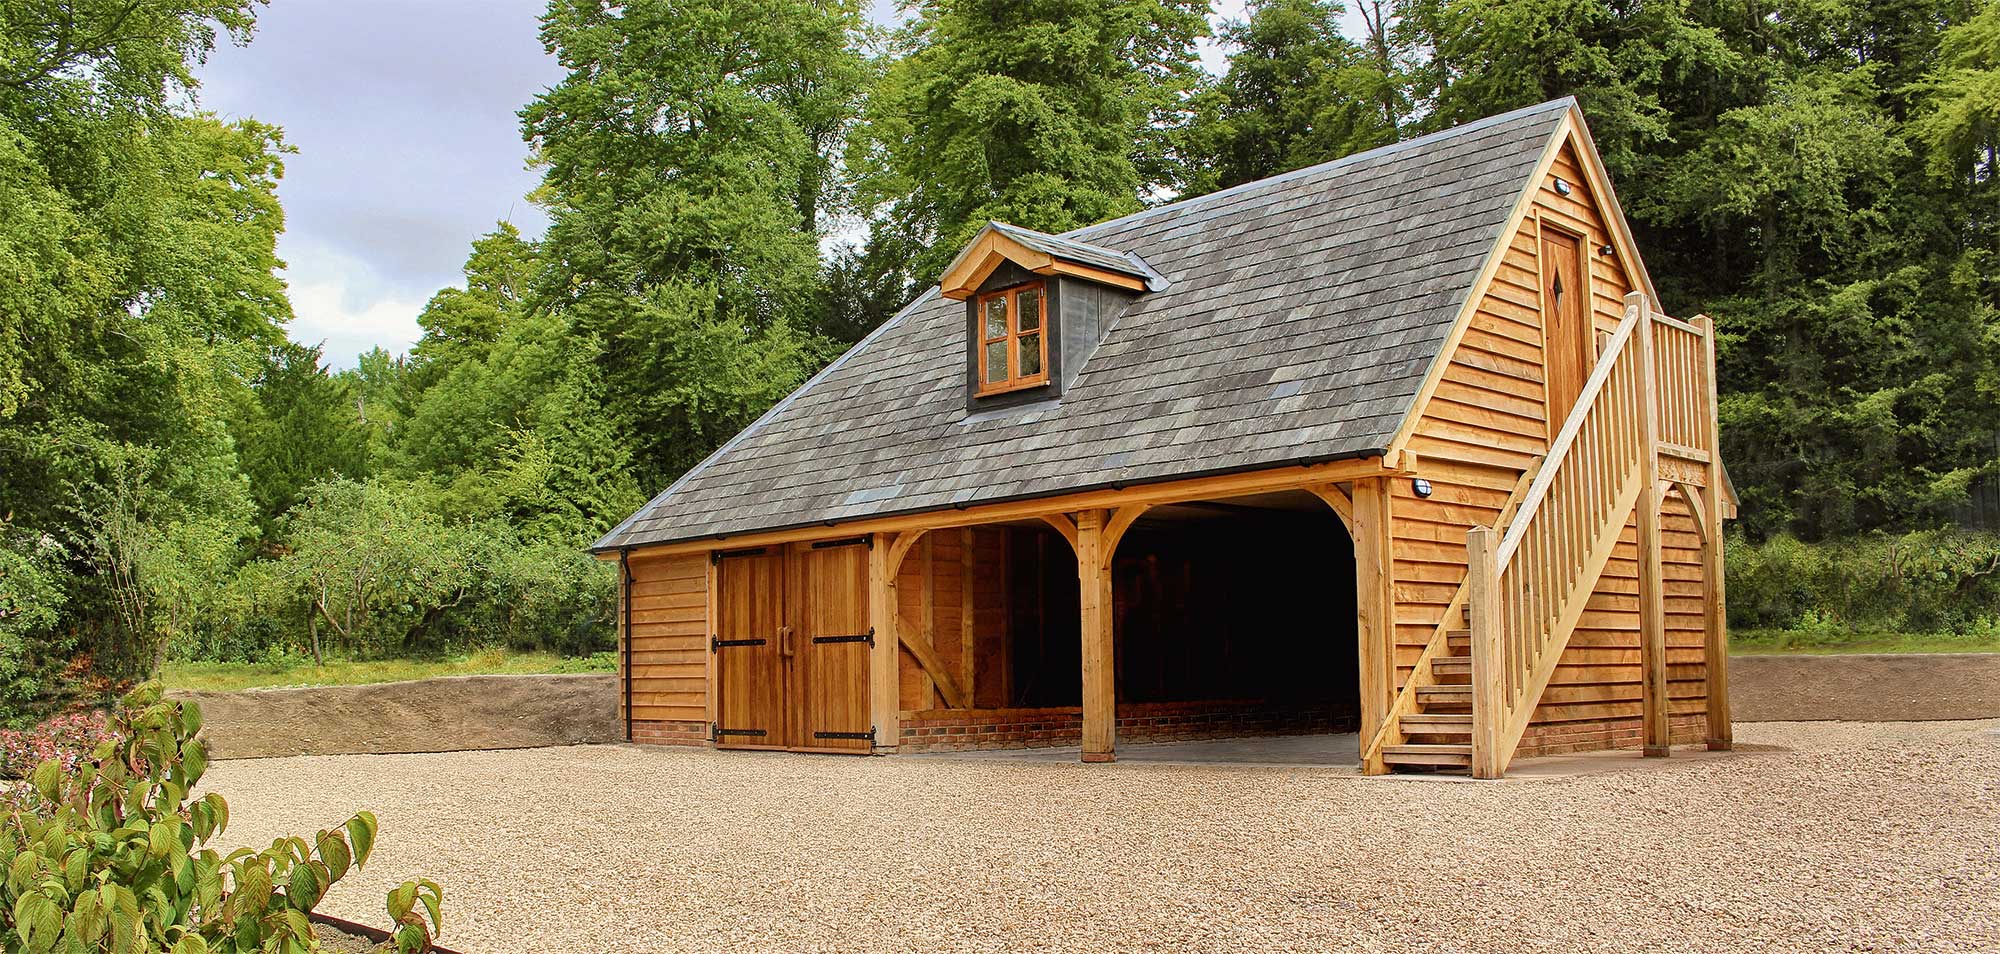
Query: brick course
point(670, 733)
point(957, 730)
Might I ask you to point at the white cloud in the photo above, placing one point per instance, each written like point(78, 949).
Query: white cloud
point(343, 301)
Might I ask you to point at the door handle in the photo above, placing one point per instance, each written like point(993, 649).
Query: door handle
point(785, 641)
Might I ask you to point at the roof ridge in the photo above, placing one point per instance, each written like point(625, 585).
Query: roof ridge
point(1254, 185)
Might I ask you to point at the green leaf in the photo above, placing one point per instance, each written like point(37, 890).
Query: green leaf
point(334, 851)
point(162, 839)
point(47, 780)
point(361, 834)
point(402, 898)
point(304, 888)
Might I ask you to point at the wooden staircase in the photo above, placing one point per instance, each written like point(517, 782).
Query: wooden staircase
point(1438, 729)
point(1475, 687)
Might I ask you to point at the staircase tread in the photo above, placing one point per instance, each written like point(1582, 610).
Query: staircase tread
point(1430, 748)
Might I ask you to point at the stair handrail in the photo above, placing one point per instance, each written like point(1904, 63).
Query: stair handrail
point(1538, 491)
point(1523, 609)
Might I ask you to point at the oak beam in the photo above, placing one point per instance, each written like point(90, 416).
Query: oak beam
point(1338, 500)
point(1287, 477)
point(1100, 696)
point(915, 639)
point(1064, 526)
point(1116, 525)
point(884, 706)
point(968, 654)
point(1375, 611)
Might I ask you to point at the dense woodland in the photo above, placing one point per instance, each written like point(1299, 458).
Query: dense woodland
point(739, 189)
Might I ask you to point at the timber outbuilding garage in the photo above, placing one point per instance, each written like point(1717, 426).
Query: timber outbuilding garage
point(1396, 445)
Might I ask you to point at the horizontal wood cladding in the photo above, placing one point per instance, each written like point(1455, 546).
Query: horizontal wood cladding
point(666, 668)
point(1485, 424)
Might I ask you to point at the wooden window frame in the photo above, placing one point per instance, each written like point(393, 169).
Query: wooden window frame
point(1013, 382)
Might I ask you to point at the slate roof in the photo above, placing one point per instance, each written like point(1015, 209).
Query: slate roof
point(1302, 315)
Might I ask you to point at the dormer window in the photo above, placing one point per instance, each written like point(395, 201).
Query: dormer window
point(1014, 348)
point(1036, 305)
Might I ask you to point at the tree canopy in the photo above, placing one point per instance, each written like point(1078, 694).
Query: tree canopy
point(739, 189)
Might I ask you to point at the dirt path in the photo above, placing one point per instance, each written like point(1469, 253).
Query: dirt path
point(1861, 837)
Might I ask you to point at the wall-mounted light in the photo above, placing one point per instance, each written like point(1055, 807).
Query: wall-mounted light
point(1421, 486)
point(1605, 249)
point(1562, 188)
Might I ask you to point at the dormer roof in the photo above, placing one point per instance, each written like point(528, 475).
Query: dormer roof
point(1043, 254)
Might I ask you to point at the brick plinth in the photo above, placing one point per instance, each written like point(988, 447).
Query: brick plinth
point(670, 733)
point(946, 730)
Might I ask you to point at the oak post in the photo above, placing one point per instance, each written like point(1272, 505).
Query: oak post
point(1658, 732)
point(968, 650)
point(1100, 703)
point(1489, 683)
point(1375, 612)
point(1714, 609)
point(883, 659)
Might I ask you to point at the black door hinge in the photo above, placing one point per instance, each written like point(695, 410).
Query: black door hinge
point(868, 735)
point(716, 732)
point(716, 643)
point(867, 637)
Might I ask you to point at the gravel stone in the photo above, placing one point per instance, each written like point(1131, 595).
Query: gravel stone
point(1814, 837)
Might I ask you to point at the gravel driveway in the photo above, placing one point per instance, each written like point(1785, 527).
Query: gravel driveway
point(1825, 836)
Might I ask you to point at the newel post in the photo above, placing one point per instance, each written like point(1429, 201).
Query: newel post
point(1489, 681)
point(1715, 641)
point(1657, 731)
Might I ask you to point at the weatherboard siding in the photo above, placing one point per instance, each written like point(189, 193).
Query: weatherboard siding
point(1486, 423)
point(669, 640)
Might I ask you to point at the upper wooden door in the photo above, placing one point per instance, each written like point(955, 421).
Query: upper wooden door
point(830, 657)
point(1569, 339)
point(751, 699)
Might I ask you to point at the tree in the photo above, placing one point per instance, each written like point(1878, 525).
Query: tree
point(683, 184)
point(460, 324)
point(1050, 114)
point(1298, 92)
point(300, 427)
point(137, 288)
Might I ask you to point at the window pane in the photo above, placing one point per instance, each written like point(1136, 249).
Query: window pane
point(1031, 353)
point(996, 316)
point(996, 362)
point(1031, 309)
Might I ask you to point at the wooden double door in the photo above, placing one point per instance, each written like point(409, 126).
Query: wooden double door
point(792, 648)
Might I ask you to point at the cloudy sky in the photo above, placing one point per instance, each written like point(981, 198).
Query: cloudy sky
point(403, 114)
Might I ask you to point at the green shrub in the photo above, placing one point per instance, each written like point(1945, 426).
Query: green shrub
point(1935, 581)
point(108, 856)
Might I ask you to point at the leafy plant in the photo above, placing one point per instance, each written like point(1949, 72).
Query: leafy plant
point(108, 856)
point(68, 739)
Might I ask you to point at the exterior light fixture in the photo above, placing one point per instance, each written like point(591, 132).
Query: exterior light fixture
point(1604, 249)
point(1421, 486)
point(1562, 188)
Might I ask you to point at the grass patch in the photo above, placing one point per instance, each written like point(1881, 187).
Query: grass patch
point(1817, 642)
point(230, 676)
